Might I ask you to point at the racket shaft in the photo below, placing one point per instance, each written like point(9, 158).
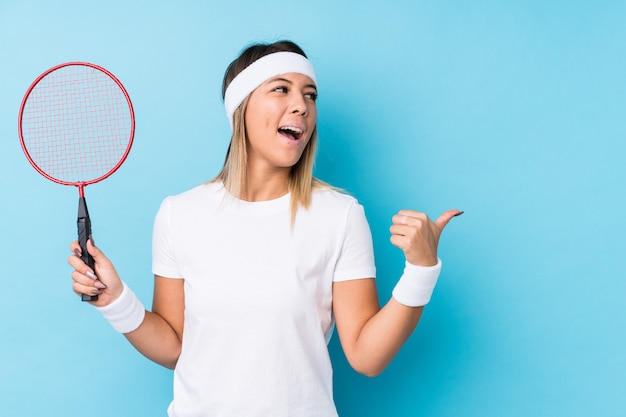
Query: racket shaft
point(84, 233)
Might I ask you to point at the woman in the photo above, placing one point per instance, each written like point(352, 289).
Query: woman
point(253, 268)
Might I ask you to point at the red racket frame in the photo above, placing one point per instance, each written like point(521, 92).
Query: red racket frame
point(81, 184)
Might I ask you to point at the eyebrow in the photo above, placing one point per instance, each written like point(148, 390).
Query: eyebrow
point(278, 79)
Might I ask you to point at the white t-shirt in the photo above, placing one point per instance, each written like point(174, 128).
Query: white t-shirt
point(258, 298)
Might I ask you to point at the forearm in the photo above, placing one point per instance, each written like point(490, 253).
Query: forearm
point(371, 336)
point(156, 340)
point(151, 333)
point(382, 337)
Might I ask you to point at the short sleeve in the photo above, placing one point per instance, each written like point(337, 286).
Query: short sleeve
point(163, 258)
point(356, 259)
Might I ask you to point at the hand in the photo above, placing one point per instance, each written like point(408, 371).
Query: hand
point(104, 281)
point(418, 236)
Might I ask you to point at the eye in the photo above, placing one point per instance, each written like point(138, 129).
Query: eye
point(311, 96)
point(281, 89)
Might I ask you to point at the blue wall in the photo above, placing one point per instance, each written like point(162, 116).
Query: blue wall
point(512, 111)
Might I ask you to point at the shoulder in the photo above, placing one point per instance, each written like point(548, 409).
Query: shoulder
point(329, 195)
point(204, 195)
point(330, 201)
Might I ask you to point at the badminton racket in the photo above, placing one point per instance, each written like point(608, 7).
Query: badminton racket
point(76, 126)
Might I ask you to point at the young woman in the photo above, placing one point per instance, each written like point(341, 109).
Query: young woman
point(254, 268)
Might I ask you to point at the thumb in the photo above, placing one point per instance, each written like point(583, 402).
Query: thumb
point(97, 254)
point(104, 269)
point(447, 215)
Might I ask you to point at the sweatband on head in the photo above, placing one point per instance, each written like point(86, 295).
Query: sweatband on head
point(416, 285)
point(126, 313)
point(260, 71)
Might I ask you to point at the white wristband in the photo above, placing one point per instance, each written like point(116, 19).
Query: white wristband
point(416, 284)
point(126, 313)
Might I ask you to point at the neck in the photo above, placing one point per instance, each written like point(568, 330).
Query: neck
point(268, 186)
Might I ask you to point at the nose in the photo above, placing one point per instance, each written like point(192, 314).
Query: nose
point(299, 105)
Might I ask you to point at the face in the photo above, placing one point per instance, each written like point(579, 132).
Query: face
point(280, 119)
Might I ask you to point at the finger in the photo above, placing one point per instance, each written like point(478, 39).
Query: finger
point(75, 247)
point(96, 253)
point(81, 267)
point(101, 262)
point(413, 221)
point(82, 278)
point(87, 279)
point(411, 214)
point(399, 241)
point(403, 230)
point(76, 262)
point(447, 215)
point(80, 289)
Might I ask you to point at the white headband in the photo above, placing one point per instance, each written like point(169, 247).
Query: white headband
point(261, 70)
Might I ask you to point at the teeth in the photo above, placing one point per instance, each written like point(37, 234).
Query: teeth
point(291, 129)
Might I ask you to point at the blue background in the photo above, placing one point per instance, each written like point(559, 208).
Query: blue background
point(512, 111)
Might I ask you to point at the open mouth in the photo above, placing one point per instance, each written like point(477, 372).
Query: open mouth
point(291, 132)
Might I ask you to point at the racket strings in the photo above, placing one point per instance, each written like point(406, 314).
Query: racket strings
point(77, 124)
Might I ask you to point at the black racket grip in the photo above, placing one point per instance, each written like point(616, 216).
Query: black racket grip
point(84, 233)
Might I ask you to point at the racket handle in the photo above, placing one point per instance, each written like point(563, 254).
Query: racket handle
point(84, 233)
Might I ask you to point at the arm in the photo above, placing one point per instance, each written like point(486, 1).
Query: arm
point(159, 338)
point(159, 335)
point(371, 336)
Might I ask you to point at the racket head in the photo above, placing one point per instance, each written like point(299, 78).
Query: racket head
point(76, 124)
